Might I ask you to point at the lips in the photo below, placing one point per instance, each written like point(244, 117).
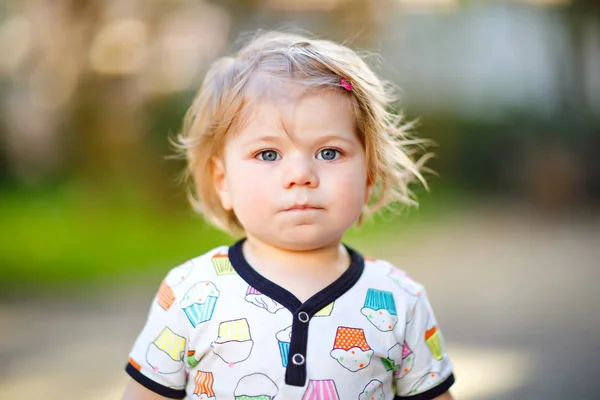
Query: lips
point(303, 207)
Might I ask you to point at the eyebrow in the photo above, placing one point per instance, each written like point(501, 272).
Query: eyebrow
point(279, 139)
point(329, 138)
point(265, 138)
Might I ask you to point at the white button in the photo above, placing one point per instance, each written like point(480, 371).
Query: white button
point(303, 317)
point(298, 359)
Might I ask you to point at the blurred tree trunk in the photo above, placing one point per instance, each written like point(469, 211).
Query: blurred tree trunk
point(561, 171)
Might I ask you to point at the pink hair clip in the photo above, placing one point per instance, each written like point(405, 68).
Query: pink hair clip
point(346, 84)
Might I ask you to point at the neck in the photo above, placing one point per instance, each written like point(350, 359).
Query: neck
point(262, 255)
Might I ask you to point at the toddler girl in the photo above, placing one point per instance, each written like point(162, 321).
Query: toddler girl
point(288, 144)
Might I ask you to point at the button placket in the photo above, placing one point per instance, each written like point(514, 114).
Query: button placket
point(296, 370)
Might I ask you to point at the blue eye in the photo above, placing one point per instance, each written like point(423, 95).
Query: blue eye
point(328, 154)
point(269, 155)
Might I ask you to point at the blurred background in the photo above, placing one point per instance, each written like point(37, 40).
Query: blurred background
point(507, 240)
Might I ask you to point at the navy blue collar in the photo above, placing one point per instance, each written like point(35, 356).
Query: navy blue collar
point(314, 304)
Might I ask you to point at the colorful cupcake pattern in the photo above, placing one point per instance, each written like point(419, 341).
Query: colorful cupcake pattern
point(199, 338)
point(191, 359)
point(199, 302)
point(204, 385)
point(408, 361)
point(255, 387)
point(222, 264)
point(234, 343)
point(426, 382)
point(400, 359)
point(380, 309)
point(433, 338)
point(325, 311)
point(402, 279)
point(373, 391)
point(255, 297)
point(394, 359)
point(166, 296)
point(284, 338)
point(321, 390)
point(165, 353)
point(351, 349)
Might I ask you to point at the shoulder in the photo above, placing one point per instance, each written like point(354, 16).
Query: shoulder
point(386, 282)
point(395, 278)
point(197, 274)
point(200, 265)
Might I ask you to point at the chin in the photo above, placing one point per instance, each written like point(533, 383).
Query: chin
point(305, 238)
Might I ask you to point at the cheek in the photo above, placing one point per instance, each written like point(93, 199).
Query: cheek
point(349, 186)
point(249, 187)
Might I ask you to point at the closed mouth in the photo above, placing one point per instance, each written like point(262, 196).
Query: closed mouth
point(305, 207)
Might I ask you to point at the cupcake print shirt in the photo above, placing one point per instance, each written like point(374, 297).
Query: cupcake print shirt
point(218, 330)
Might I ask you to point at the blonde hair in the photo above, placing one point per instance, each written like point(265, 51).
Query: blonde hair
point(315, 64)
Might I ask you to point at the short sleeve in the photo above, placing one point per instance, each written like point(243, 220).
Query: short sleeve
point(156, 360)
point(425, 370)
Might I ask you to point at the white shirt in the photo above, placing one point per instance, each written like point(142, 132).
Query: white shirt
point(219, 330)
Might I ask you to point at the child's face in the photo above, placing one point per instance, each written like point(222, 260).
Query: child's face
point(295, 174)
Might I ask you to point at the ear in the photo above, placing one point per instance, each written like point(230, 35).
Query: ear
point(219, 178)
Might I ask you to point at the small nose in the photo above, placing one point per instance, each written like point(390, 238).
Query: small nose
point(300, 172)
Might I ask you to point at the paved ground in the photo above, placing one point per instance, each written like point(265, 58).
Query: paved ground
point(515, 295)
